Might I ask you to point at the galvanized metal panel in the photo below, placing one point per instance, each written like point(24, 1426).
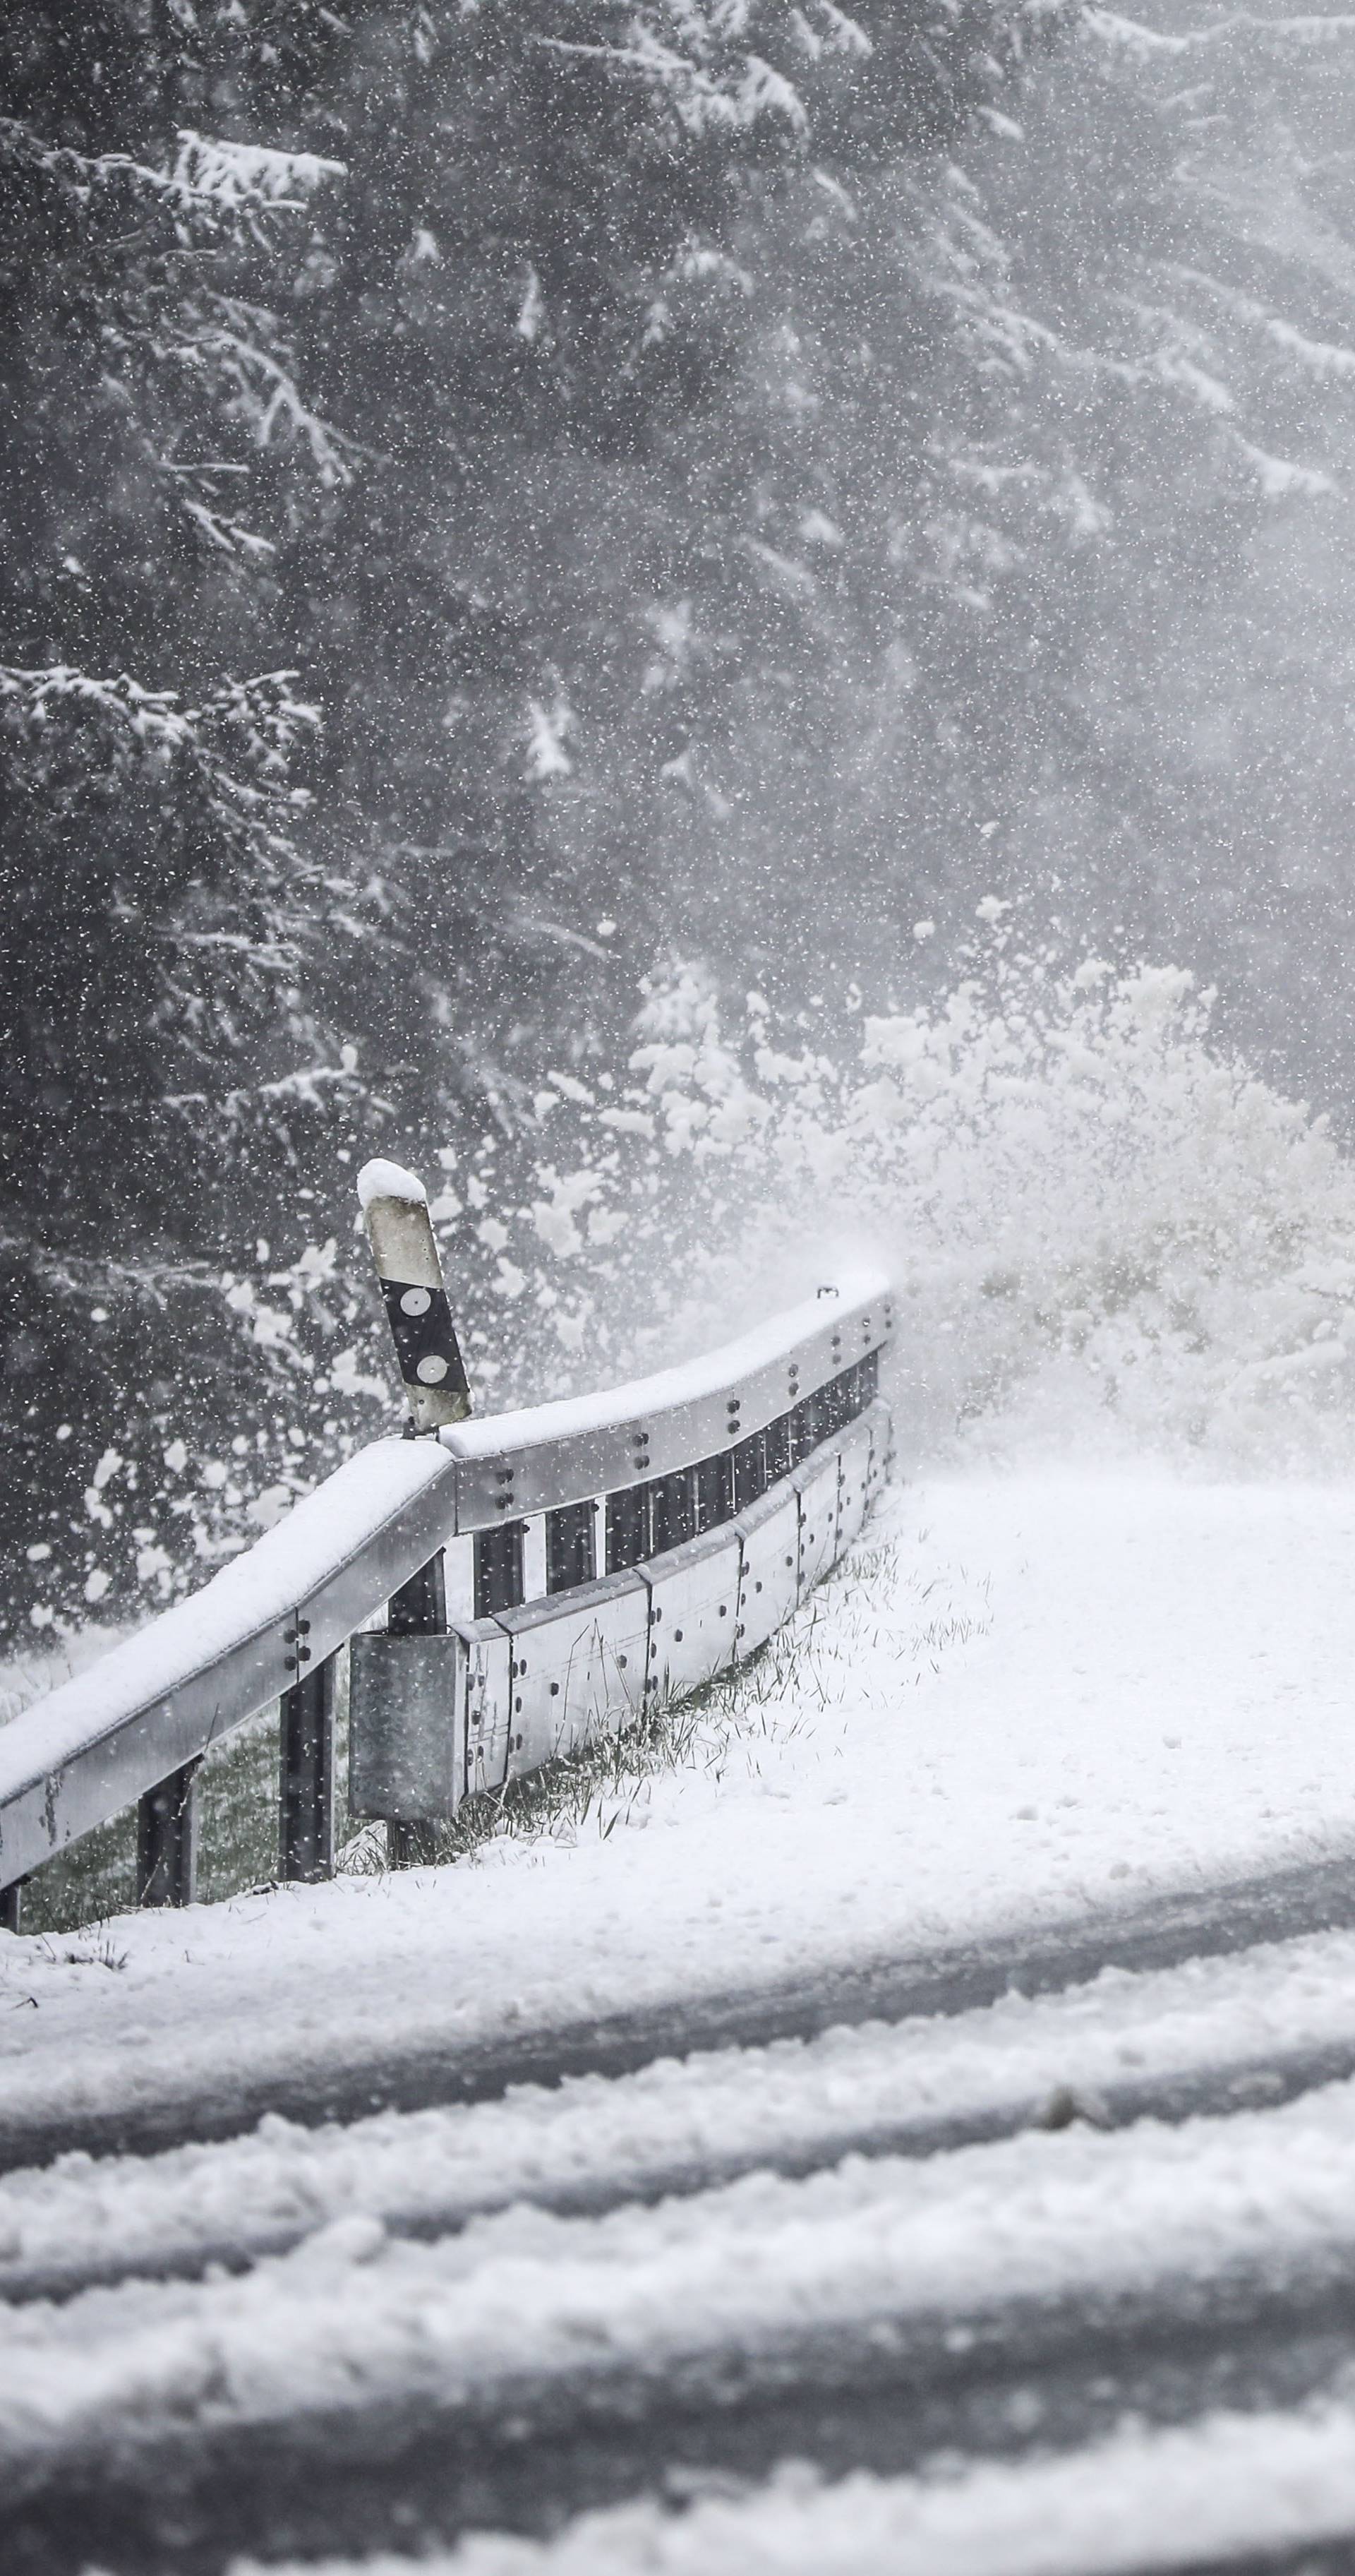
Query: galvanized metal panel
point(338, 1607)
point(48, 1813)
point(865, 1448)
point(577, 1664)
point(407, 1725)
point(816, 1483)
point(694, 1603)
point(545, 1467)
point(489, 1704)
point(769, 1566)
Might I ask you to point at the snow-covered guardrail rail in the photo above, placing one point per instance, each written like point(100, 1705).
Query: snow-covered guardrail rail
point(487, 1598)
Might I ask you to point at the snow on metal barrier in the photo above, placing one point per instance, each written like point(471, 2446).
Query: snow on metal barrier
point(489, 1598)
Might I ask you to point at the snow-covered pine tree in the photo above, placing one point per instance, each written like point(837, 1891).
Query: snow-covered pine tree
point(157, 451)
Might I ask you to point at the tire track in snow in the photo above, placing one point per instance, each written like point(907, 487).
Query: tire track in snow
point(178, 2498)
point(1166, 1932)
point(866, 2316)
point(1215, 2036)
point(413, 2477)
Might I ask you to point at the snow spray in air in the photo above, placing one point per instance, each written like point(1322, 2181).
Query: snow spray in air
point(1106, 1232)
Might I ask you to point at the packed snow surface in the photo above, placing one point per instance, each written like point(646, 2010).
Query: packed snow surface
point(1231, 2483)
point(876, 2246)
point(674, 2123)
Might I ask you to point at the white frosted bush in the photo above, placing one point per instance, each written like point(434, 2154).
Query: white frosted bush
point(1106, 1231)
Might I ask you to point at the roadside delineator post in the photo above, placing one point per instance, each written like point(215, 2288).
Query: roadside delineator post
point(395, 1211)
point(399, 1230)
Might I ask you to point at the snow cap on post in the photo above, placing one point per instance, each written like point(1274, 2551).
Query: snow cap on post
point(395, 1211)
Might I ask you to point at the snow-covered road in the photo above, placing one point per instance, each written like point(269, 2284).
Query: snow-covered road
point(1038, 1719)
point(1026, 1702)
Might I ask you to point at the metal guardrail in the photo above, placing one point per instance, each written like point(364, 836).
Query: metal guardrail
point(541, 1574)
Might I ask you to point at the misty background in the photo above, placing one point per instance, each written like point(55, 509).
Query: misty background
point(674, 613)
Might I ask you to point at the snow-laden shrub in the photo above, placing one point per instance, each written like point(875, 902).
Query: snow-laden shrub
point(1104, 1229)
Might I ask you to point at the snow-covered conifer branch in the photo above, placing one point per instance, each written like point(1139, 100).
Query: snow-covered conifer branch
point(694, 57)
point(232, 341)
point(1129, 37)
point(242, 178)
point(215, 187)
point(1279, 477)
point(233, 750)
point(1327, 360)
point(227, 535)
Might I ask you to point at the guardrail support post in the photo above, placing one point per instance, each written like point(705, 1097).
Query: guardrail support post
point(12, 1907)
point(167, 1840)
point(306, 1782)
point(418, 1609)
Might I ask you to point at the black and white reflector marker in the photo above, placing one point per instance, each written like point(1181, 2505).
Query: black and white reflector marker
point(395, 1211)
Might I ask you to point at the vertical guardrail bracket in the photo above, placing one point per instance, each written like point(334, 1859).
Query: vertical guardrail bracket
point(306, 1777)
point(167, 1839)
point(418, 1609)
